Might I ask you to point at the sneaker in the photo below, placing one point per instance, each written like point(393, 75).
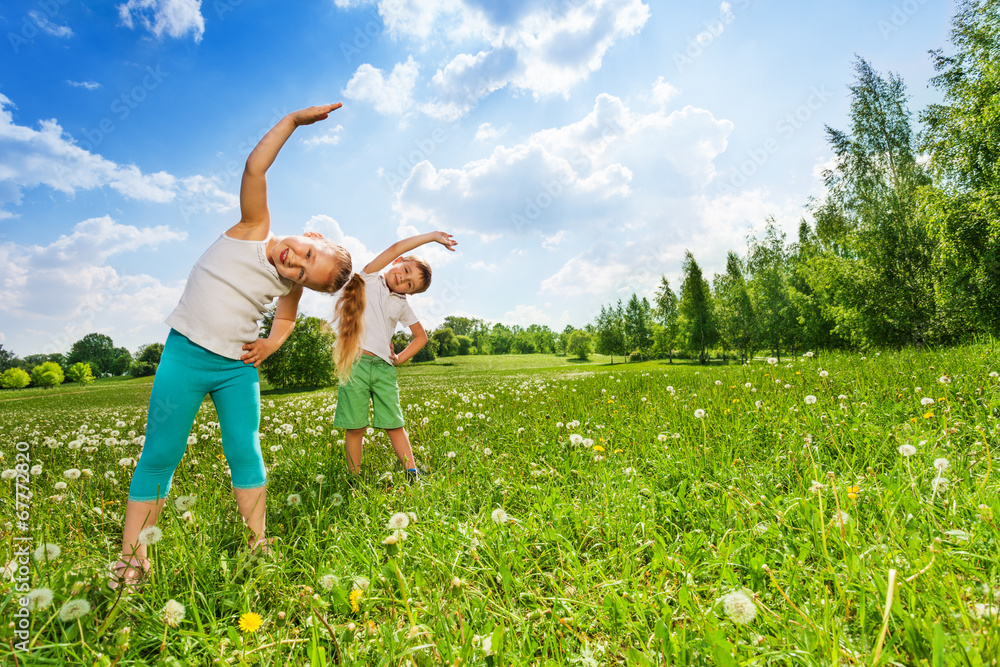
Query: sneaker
point(415, 477)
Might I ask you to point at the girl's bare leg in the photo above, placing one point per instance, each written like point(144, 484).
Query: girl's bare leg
point(252, 504)
point(353, 445)
point(401, 445)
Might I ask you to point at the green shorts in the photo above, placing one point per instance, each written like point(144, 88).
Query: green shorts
point(373, 380)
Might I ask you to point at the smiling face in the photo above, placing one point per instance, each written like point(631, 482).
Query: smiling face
point(307, 261)
point(404, 277)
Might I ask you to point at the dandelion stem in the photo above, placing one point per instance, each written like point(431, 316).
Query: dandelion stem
point(885, 617)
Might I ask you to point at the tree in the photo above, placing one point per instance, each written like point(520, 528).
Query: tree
point(962, 136)
point(523, 343)
point(305, 359)
point(48, 374)
point(464, 345)
point(737, 322)
point(99, 351)
point(150, 353)
point(610, 337)
point(638, 337)
point(80, 373)
point(501, 339)
point(427, 353)
point(773, 310)
point(579, 345)
point(696, 308)
point(7, 359)
point(878, 268)
point(14, 378)
point(562, 340)
point(447, 345)
point(666, 309)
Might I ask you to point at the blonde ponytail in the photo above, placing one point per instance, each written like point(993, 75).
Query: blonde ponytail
point(349, 315)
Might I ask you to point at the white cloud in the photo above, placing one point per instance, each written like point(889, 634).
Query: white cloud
point(552, 242)
point(175, 18)
point(89, 85)
point(389, 95)
point(47, 26)
point(62, 291)
point(524, 316)
point(663, 92)
point(483, 266)
point(331, 138)
point(542, 47)
point(47, 156)
point(582, 175)
point(487, 132)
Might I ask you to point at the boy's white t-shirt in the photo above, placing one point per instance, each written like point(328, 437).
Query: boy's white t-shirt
point(383, 311)
point(227, 293)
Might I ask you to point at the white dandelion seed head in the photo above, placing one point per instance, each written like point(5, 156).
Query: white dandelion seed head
point(294, 499)
point(413, 517)
point(810, 399)
point(499, 516)
point(941, 464)
point(808, 354)
point(994, 374)
point(327, 582)
point(8, 474)
point(150, 535)
point(699, 413)
point(184, 503)
point(840, 519)
point(320, 479)
point(456, 582)
point(360, 583)
point(72, 473)
point(926, 400)
point(74, 609)
point(173, 613)
point(59, 486)
point(662, 437)
point(817, 486)
point(944, 379)
point(940, 484)
point(487, 451)
point(187, 516)
point(337, 500)
point(772, 361)
point(192, 439)
point(450, 455)
point(576, 438)
point(397, 521)
point(39, 598)
point(907, 450)
point(47, 552)
point(824, 374)
point(739, 607)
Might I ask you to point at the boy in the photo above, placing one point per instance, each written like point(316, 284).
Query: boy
point(374, 376)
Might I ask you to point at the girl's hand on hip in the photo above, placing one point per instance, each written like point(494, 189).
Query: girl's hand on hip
point(313, 114)
point(257, 351)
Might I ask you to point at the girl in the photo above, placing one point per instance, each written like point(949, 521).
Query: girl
point(213, 348)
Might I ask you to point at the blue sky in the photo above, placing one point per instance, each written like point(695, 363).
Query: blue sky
point(575, 148)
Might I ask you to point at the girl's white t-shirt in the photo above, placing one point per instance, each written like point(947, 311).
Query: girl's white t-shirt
point(227, 293)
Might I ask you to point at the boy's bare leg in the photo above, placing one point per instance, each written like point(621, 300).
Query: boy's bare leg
point(353, 445)
point(252, 504)
point(401, 445)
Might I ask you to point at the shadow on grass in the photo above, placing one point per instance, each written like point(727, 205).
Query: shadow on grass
point(275, 391)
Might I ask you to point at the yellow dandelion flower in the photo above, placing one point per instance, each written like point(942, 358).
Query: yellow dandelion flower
point(354, 597)
point(852, 492)
point(598, 448)
point(250, 622)
point(928, 415)
point(619, 451)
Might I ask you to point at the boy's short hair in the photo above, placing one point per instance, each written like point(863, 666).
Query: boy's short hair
point(423, 268)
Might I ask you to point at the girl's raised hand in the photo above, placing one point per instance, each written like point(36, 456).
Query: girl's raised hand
point(313, 114)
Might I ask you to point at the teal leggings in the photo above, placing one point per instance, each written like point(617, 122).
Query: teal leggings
point(187, 372)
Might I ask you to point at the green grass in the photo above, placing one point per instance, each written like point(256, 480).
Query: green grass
point(627, 532)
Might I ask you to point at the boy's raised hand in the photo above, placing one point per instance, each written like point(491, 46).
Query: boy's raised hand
point(445, 239)
point(312, 114)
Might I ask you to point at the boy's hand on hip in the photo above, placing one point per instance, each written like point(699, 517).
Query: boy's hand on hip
point(257, 351)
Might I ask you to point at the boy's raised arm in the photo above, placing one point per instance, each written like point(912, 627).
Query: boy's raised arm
point(253, 188)
point(406, 245)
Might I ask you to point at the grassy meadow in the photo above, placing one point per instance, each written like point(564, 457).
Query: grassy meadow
point(823, 510)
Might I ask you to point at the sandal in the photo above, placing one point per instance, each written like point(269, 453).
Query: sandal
point(132, 572)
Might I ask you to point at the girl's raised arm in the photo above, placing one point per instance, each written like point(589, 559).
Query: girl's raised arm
point(255, 221)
